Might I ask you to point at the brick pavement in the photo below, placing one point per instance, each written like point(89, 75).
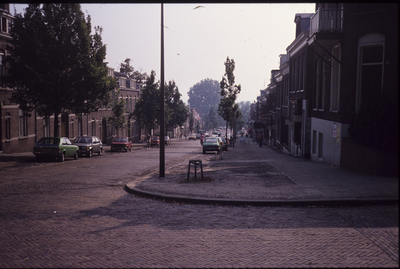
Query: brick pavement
point(53, 220)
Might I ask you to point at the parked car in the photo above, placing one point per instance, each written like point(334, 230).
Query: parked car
point(167, 140)
point(88, 145)
point(121, 143)
point(198, 135)
point(192, 137)
point(211, 144)
point(55, 147)
point(155, 140)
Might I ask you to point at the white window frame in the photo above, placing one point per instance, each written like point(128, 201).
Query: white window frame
point(372, 39)
point(23, 123)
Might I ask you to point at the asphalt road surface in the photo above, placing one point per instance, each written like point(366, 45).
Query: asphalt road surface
point(76, 214)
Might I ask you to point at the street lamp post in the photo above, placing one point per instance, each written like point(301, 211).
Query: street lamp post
point(162, 109)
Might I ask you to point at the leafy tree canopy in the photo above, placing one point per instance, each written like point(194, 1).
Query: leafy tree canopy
point(227, 108)
point(176, 113)
point(245, 108)
point(147, 109)
point(137, 75)
point(56, 65)
point(203, 95)
point(118, 112)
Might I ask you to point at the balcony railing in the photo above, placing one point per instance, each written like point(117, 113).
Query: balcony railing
point(327, 21)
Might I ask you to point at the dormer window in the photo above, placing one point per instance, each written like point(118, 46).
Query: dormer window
point(6, 24)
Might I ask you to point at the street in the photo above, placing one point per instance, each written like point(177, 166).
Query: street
point(76, 214)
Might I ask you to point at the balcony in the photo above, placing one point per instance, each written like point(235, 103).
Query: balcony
point(326, 26)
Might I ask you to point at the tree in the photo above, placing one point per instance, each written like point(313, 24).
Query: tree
point(176, 113)
point(137, 75)
point(212, 118)
point(191, 121)
point(118, 112)
point(245, 108)
point(203, 95)
point(147, 109)
point(227, 108)
point(56, 65)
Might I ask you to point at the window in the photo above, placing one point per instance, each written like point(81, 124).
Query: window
point(122, 82)
point(1, 69)
point(3, 24)
point(286, 89)
point(23, 123)
point(320, 145)
point(370, 67)
point(94, 126)
point(46, 126)
point(321, 101)
point(80, 129)
point(335, 79)
point(8, 125)
point(320, 84)
point(6, 24)
point(71, 129)
point(314, 143)
point(301, 73)
point(317, 86)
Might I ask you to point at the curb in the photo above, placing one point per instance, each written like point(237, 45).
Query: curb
point(329, 202)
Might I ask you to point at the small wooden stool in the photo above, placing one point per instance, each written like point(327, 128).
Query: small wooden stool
point(195, 162)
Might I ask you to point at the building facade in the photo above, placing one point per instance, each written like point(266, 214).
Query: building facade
point(343, 54)
point(19, 130)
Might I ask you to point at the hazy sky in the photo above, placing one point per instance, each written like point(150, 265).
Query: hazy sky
point(197, 41)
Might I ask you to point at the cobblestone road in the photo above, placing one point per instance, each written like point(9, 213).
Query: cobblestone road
point(84, 223)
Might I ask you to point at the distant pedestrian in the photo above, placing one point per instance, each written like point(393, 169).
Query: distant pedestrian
point(181, 136)
point(259, 138)
point(148, 140)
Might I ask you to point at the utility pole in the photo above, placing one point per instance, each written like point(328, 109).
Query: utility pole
point(162, 108)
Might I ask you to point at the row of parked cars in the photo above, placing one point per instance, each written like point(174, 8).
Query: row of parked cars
point(214, 143)
point(61, 147)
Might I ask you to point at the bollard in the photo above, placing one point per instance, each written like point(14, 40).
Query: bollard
point(195, 162)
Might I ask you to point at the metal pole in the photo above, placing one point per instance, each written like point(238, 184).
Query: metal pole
point(162, 109)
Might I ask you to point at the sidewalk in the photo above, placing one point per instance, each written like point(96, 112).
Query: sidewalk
point(250, 175)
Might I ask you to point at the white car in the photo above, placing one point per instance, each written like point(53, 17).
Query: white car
point(192, 137)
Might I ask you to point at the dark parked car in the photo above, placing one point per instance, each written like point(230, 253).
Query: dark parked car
point(88, 145)
point(155, 140)
point(55, 147)
point(167, 140)
point(211, 144)
point(121, 143)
